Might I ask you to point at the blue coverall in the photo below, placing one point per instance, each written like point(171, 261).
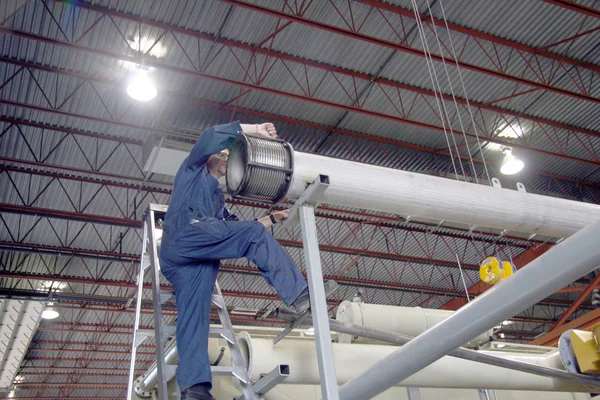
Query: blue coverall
point(196, 237)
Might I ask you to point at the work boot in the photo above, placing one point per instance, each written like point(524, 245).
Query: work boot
point(595, 297)
point(302, 303)
point(196, 392)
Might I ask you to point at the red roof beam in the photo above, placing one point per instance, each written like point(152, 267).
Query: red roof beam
point(480, 35)
point(307, 124)
point(576, 7)
point(409, 50)
point(251, 86)
point(283, 56)
point(577, 303)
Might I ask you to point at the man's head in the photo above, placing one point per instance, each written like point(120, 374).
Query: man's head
point(217, 163)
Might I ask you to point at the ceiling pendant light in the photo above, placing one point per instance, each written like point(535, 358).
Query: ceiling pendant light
point(511, 165)
point(141, 87)
point(50, 312)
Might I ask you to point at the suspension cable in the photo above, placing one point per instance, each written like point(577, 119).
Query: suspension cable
point(462, 82)
point(473, 169)
point(433, 76)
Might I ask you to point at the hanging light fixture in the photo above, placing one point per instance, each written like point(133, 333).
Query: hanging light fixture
point(50, 312)
point(511, 165)
point(141, 87)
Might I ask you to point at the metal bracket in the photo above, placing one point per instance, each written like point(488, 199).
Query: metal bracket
point(295, 323)
point(309, 196)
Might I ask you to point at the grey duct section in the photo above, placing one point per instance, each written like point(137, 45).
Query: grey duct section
point(411, 321)
point(260, 169)
point(351, 360)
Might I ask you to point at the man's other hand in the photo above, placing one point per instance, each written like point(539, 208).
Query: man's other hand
point(280, 216)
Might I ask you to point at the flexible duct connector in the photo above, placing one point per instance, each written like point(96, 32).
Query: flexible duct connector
point(260, 168)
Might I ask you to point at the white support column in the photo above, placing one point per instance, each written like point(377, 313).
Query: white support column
point(304, 210)
point(483, 394)
point(318, 301)
point(413, 393)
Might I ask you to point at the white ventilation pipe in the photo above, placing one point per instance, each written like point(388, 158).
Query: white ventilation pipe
point(404, 193)
point(352, 360)
point(411, 321)
point(383, 189)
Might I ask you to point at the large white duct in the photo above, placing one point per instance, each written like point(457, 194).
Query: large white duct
point(222, 389)
point(254, 165)
point(352, 360)
point(411, 321)
point(383, 189)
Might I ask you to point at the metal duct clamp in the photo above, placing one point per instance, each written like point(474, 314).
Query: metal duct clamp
point(260, 169)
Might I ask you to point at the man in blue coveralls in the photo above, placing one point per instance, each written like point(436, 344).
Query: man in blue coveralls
point(198, 232)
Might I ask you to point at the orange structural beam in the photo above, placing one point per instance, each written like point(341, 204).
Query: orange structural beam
point(582, 297)
point(480, 287)
point(585, 322)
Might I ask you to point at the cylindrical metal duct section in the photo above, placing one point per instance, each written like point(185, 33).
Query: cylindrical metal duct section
point(259, 168)
point(352, 360)
point(370, 187)
point(410, 321)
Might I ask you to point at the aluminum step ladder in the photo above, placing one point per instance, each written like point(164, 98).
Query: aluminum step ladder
point(164, 369)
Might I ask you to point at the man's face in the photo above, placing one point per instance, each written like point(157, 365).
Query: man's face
point(218, 162)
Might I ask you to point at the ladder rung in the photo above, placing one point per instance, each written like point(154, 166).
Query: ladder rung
point(222, 333)
point(217, 300)
point(220, 371)
point(168, 331)
point(145, 332)
point(238, 372)
point(142, 335)
point(165, 295)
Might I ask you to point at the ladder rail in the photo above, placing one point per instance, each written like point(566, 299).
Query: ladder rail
point(138, 310)
point(159, 337)
point(237, 360)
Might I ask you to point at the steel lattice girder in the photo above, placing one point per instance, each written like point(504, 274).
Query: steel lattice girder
point(258, 87)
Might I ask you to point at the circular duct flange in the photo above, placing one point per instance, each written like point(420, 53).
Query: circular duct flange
point(138, 388)
point(259, 168)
